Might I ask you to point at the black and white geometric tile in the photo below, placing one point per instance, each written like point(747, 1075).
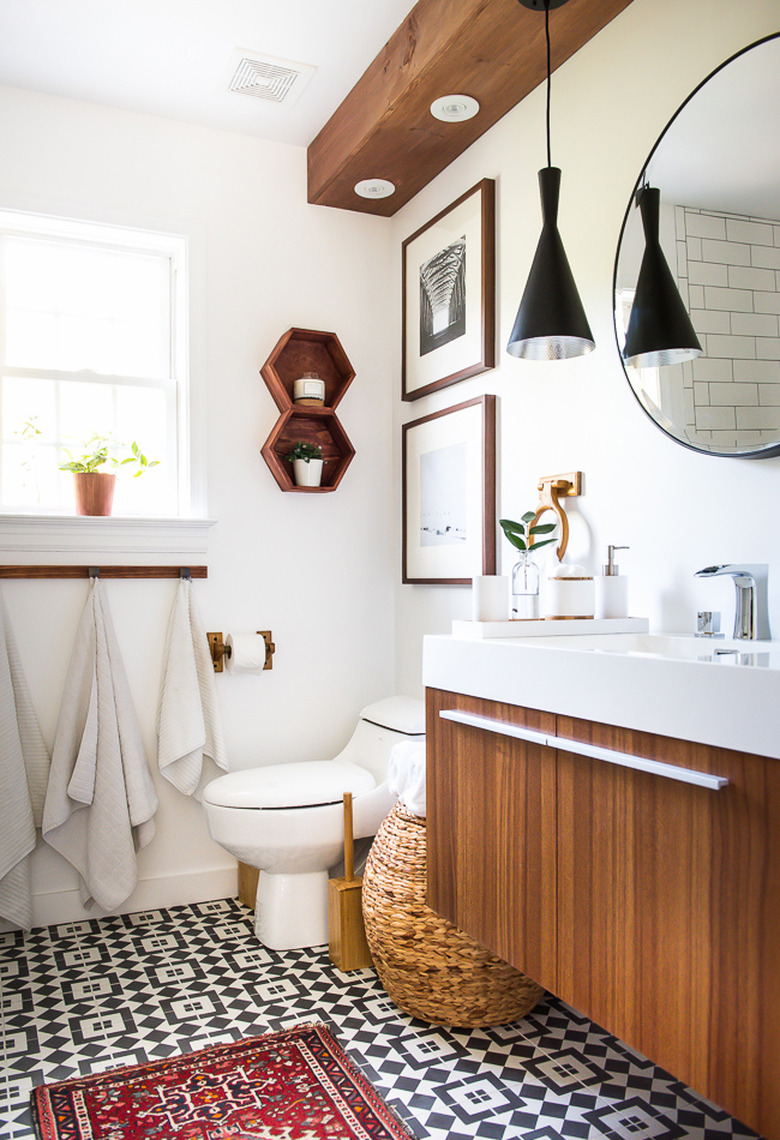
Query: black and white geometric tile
point(88, 996)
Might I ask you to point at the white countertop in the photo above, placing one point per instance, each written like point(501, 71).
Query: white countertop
point(718, 702)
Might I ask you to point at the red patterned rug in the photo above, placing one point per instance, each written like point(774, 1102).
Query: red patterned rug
point(296, 1085)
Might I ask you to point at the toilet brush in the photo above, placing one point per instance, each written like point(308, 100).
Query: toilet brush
point(347, 944)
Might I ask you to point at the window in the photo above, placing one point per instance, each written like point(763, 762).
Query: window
point(92, 343)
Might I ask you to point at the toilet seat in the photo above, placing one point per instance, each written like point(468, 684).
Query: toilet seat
point(309, 783)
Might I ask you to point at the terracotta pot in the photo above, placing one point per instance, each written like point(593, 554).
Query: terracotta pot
point(94, 492)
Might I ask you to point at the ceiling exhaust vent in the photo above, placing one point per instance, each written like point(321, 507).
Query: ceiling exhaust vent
point(275, 80)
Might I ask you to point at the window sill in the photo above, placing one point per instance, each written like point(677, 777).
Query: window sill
point(24, 535)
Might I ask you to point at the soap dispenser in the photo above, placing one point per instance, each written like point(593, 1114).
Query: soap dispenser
point(612, 588)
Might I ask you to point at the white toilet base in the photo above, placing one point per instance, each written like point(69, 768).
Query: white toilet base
point(291, 911)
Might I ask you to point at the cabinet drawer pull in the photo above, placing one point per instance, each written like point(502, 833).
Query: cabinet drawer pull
point(608, 755)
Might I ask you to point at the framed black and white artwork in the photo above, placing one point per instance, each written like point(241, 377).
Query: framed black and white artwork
point(449, 494)
point(448, 272)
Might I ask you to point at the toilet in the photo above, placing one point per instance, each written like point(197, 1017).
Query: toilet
point(288, 820)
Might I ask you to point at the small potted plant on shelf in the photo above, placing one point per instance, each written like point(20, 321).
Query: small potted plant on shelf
point(307, 462)
point(525, 573)
point(95, 488)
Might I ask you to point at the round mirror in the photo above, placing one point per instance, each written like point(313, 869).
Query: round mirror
point(714, 207)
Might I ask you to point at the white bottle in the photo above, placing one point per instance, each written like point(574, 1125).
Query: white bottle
point(612, 588)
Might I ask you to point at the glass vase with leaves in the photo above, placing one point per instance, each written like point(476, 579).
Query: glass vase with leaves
point(525, 572)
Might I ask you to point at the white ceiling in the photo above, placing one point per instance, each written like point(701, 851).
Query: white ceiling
point(176, 57)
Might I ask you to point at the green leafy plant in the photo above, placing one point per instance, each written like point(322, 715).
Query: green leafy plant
point(305, 451)
point(30, 459)
point(521, 534)
point(139, 459)
point(94, 454)
point(29, 430)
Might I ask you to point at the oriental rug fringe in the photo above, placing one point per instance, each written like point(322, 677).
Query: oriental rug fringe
point(297, 1084)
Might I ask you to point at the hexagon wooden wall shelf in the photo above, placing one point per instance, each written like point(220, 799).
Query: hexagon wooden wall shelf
point(299, 351)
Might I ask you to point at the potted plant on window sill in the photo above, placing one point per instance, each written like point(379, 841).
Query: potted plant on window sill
point(94, 489)
point(307, 462)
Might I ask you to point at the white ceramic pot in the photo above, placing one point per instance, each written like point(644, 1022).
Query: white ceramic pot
point(570, 598)
point(307, 473)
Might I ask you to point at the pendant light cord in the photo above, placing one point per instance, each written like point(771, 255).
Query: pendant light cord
point(547, 35)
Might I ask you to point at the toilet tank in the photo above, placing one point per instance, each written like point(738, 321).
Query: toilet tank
point(381, 726)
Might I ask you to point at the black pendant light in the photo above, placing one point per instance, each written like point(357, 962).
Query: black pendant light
point(551, 322)
point(659, 328)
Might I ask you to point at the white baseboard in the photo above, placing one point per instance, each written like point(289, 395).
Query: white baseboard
point(55, 907)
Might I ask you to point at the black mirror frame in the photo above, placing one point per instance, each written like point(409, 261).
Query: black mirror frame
point(772, 450)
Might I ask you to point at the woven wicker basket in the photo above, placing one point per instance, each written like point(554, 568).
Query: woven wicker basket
point(429, 967)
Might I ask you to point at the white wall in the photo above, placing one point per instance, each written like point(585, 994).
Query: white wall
point(676, 509)
point(315, 569)
point(323, 572)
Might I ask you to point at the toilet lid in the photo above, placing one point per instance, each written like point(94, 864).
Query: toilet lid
point(289, 785)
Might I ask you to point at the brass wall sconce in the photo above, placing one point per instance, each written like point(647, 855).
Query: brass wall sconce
point(552, 488)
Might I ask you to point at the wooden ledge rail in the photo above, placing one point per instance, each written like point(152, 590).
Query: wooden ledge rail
point(45, 571)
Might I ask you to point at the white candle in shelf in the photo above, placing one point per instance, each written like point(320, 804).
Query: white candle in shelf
point(309, 389)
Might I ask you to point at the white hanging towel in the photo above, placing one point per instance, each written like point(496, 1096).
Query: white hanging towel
point(101, 801)
point(406, 775)
point(24, 770)
point(189, 723)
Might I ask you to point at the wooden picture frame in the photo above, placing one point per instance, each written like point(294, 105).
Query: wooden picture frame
point(448, 277)
point(449, 494)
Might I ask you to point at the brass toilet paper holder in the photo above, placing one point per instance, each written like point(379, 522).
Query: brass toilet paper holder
point(219, 651)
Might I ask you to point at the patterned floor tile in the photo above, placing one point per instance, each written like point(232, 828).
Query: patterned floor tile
point(88, 996)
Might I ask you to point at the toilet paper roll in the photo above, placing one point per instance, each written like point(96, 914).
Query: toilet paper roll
point(247, 652)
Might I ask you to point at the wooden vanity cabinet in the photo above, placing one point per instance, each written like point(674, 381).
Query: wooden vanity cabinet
point(655, 905)
point(490, 835)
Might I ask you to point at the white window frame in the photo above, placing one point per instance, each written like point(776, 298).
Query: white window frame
point(25, 533)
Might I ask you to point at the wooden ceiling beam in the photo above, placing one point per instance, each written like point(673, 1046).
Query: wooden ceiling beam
point(493, 50)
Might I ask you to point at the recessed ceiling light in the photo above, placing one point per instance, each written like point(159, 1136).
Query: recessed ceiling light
point(454, 108)
point(375, 188)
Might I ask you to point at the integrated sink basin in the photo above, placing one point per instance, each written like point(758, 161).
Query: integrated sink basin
point(711, 690)
point(712, 650)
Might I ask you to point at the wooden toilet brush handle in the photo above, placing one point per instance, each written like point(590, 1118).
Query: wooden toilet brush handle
point(349, 854)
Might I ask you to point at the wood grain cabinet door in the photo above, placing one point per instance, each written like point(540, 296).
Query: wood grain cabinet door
point(669, 912)
point(491, 833)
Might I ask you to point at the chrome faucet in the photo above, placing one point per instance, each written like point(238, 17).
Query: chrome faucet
point(751, 616)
